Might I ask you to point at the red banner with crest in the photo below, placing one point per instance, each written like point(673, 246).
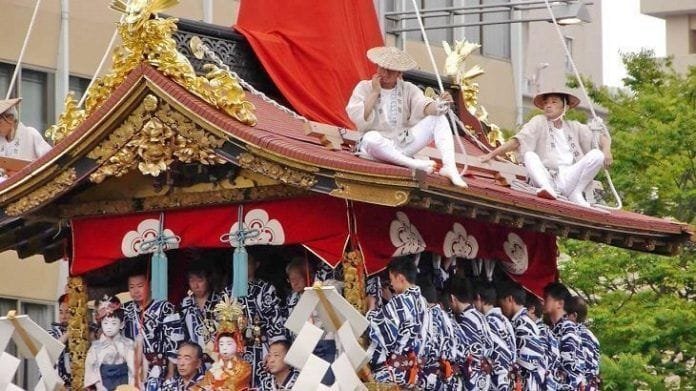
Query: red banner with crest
point(527, 257)
point(318, 223)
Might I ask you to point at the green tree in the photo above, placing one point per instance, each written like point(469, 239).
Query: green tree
point(643, 306)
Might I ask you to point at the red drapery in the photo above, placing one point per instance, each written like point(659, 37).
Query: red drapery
point(527, 257)
point(318, 223)
point(313, 50)
point(321, 225)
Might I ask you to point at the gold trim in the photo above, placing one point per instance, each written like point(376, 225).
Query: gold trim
point(179, 200)
point(276, 171)
point(373, 194)
point(151, 138)
point(78, 337)
point(354, 280)
point(44, 193)
point(149, 39)
point(380, 180)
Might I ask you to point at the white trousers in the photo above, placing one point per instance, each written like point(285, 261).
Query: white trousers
point(570, 180)
point(430, 128)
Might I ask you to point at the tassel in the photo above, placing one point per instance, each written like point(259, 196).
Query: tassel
point(240, 281)
point(160, 270)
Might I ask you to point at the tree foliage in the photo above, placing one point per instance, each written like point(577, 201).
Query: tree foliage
point(643, 306)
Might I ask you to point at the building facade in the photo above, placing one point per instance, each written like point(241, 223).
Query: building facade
point(680, 26)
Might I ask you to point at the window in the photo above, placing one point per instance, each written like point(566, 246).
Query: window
point(568, 60)
point(494, 39)
point(34, 93)
point(78, 85)
point(27, 375)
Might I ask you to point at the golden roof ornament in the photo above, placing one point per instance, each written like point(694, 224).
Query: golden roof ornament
point(147, 38)
point(455, 66)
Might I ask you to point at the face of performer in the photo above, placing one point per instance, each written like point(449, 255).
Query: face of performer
point(7, 124)
point(188, 362)
point(297, 280)
point(111, 325)
point(507, 306)
point(63, 313)
point(398, 282)
point(553, 306)
point(198, 284)
point(139, 289)
point(387, 77)
point(227, 347)
point(275, 359)
point(553, 106)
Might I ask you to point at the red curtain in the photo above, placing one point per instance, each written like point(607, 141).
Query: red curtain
point(527, 257)
point(313, 50)
point(318, 223)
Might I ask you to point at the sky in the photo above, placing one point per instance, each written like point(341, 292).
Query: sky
point(625, 29)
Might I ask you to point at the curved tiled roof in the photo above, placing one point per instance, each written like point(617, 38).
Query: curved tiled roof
point(280, 138)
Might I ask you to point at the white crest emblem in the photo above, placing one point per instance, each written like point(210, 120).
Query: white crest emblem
point(270, 230)
point(147, 230)
point(517, 251)
point(405, 236)
point(458, 243)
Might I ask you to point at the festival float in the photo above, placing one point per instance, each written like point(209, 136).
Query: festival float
point(199, 134)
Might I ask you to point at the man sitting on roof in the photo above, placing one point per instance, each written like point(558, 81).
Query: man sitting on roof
point(397, 120)
point(16, 139)
point(558, 154)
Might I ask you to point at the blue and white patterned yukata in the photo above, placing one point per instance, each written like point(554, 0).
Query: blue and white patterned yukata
point(159, 326)
point(262, 308)
point(530, 364)
point(570, 373)
point(199, 324)
point(590, 348)
point(56, 331)
point(475, 349)
point(504, 349)
point(552, 355)
point(396, 332)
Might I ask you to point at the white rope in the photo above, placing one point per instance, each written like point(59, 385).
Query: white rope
point(99, 67)
point(619, 203)
point(450, 113)
point(24, 48)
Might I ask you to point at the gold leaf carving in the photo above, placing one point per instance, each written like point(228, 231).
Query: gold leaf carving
point(151, 138)
point(374, 194)
point(276, 171)
point(146, 39)
point(44, 193)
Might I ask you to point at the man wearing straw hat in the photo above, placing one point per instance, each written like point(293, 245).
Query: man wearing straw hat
point(16, 139)
point(397, 120)
point(557, 153)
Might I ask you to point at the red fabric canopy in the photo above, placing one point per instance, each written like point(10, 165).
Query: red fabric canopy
point(527, 257)
point(318, 223)
point(313, 50)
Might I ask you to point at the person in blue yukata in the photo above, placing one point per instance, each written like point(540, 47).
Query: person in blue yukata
point(284, 376)
point(570, 373)
point(440, 345)
point(552, 357)
point(189, 368)
point(504, 346)
point(155, 326)
point(530, 369)
point(59, 331)
point(198, 308)
point(265, 320)
point(474, 340)
point(576, 308)
point(398, 328)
